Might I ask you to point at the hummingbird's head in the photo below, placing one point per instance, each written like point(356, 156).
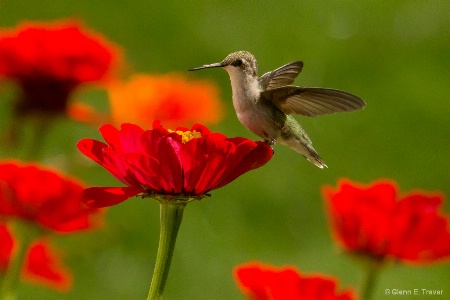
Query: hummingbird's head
point(240, 62)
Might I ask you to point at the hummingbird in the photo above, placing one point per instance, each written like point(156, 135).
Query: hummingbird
point(265, 104)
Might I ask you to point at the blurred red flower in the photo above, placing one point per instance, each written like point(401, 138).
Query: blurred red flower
point(34, 194)
point(185, 163)
point(264, 282)
point(49, 60)
point(373, 220)
point(42, 265)
point(170, 98)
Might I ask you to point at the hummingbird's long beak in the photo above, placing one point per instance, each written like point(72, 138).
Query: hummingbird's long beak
point(216, 65)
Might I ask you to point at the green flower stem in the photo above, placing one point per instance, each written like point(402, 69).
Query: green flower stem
point(39, 129)
point(27, 135)
point(171, 215)
point(12, 275)
point(371, 277)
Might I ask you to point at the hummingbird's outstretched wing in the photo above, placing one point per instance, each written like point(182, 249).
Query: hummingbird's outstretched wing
point(312, 102)
point(282, 76)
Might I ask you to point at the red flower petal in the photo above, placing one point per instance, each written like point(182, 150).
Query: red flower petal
point(130, 138)
point(170, 167)
point(145, 170)
point(44, 267)
point(200, 158)
point(92, 149)
point(62, 50)
point(116, 164)
point(202, 129)
point(373, 220)
point(111, 135)
point(108, 196)
point(150, 140)
point(257, 157)
point(264, 282)
point(162, 162)
point(43, 196)
point(50, 60)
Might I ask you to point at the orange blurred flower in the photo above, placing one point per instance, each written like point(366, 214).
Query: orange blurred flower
point(85, 113)
point(170, 98)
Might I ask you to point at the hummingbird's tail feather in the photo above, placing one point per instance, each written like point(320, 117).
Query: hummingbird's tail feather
point(317, 160)
point(296, 138)
point(306, 150)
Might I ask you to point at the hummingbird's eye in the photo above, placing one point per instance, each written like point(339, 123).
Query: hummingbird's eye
point(237, 63)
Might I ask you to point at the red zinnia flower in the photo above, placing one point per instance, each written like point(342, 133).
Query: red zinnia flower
point(42, 196)
point(41, 265)
point(264, 282)
point(373, 220)
point(185, 163)
point(49, 61)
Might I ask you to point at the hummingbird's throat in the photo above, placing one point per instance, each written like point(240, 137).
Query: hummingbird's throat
point(186, 136)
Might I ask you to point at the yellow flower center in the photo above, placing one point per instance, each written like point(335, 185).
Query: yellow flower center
point(186, 136)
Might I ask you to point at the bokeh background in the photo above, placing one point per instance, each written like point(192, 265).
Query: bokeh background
point(393, 54)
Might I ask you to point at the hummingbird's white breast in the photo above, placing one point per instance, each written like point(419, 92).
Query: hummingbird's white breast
point(245, 88)
point(249, 110)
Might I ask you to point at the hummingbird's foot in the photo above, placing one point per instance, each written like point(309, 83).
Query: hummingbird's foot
point(271, 143)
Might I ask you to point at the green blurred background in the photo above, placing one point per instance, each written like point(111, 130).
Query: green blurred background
point(393, 54)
